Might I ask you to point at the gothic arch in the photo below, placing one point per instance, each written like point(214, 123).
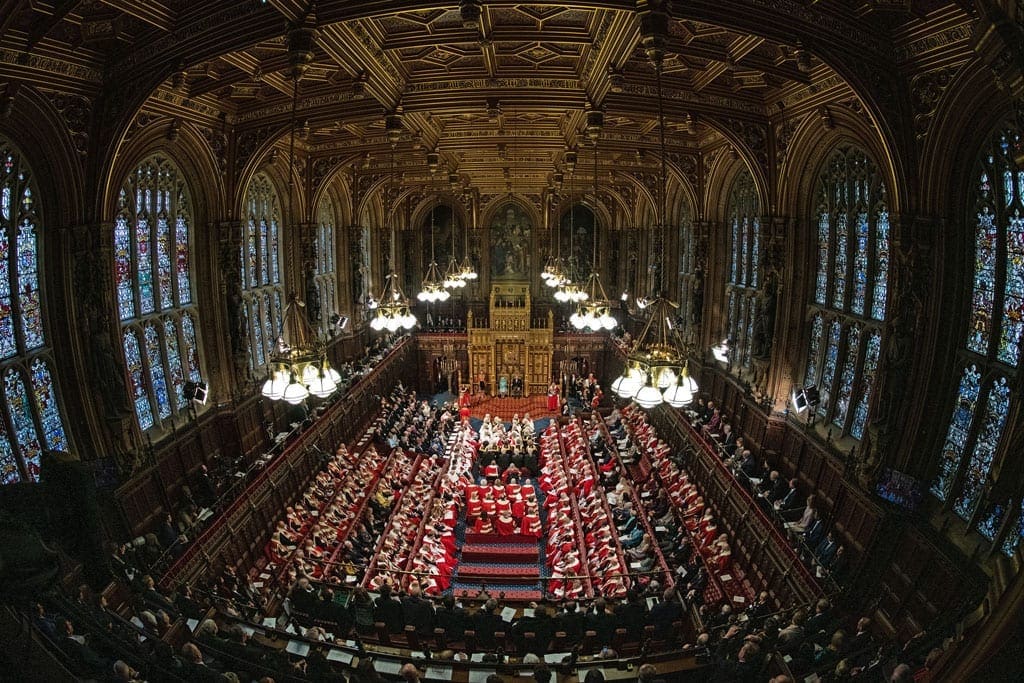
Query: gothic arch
point(972, 106)
point(814, 141)
point(189, 151)
point(35, 127)
point(261, 160)
point(488, 213)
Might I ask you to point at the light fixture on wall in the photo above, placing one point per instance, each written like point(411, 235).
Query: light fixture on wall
point(657, 369)
point(595, 312)
point(432, 289)
point(392, 312)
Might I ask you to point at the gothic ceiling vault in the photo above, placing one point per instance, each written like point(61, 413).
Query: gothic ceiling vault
point(499, 90)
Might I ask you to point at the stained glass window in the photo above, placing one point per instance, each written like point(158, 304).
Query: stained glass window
point(1013, 539)
point(325, 278)
point(988, 526)
point(829, 372)
point(992, 339)
point(22, 422)
point(814, 352)
point(30, 414)
point(152, 259)
point(985, 445)
point(744, 277)
point(852, 276)
point(844, 391)
point(136, 372)
point(959, 430)
point(824, 237)
point(261, 268)
point(867, 383)
point(881, 288)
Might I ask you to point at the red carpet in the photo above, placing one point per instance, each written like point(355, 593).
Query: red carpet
point(505, 408)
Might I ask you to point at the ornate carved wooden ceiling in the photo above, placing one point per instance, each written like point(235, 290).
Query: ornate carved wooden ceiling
point(499, 88)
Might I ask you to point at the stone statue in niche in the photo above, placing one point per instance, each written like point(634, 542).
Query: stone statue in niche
point(510, 243)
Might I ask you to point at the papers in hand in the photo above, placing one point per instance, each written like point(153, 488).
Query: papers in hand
point(508, 614)
point(528, 612)
point(297, 647)
point(739, 598)
point(725, 577)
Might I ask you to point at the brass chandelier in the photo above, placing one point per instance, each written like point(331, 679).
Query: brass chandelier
point(392, 312)
point(657, 369)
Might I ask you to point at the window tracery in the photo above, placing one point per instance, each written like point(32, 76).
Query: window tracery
point(30, 416)
point(153, 282)
point(850, 288)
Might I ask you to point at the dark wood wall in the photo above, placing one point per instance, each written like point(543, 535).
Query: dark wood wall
point(909, 577)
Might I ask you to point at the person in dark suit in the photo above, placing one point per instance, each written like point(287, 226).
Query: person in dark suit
point(601, 621)
point(451, 618)
point(826, 550)
point(631, 615)
point(789, 499)
point(814, 533)
point(486, 623)
point(818, 623)
point(571, 621)
point(388, 609)
point(663, 614)
point(418, 612)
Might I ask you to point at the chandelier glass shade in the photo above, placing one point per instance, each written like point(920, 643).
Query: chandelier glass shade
point(656, 370)
point(432, 289)
point(298, 364)
point(453, 275)
point(595, 311)
point(393, 312)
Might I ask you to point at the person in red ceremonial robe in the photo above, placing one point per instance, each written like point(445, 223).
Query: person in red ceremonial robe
point(505, 525)
point(502, 504)
point(464, 403)
point(552, 398)
point(531, 526)
point(474, 506)
point(483, 525)
point(491, 471)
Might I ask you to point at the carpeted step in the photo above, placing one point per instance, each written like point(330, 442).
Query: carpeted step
point(500, 552)
point(511, 592)
point(490, 539)
point(510, 574)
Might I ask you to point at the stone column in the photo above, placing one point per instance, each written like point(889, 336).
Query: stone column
point(229, 240)
point(96, 344)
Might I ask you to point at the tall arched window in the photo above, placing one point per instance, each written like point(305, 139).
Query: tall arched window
point(744, 274)
point(691, 280)
point(261, 269)
point(992, 348)
point(324, 274)
point(851, 288)
point(30, 415)
point(153, 277)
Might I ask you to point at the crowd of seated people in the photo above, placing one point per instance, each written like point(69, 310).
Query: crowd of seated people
point(780, 498)
point(817, 640)
point(507, 452)
point(689, 535)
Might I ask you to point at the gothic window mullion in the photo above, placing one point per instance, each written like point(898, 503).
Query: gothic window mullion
point(837, 374)
point(857, 386)
point(8, 431)
point(969, 443)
